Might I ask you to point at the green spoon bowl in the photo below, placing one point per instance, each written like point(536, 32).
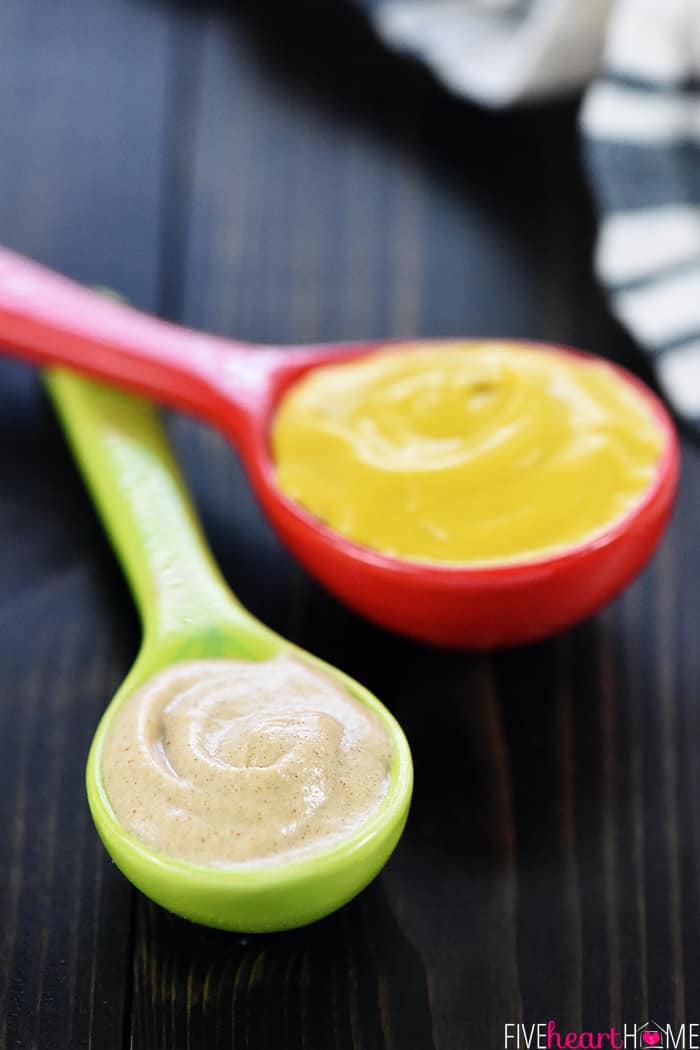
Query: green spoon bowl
point(189, 613)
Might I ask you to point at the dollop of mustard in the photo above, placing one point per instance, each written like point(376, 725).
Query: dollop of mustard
point(228, 762)
point(470, 453)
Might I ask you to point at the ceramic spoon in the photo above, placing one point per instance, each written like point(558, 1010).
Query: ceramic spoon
point(188, 612)
point(48, 319)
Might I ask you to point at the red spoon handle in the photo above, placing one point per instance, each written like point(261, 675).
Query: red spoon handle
point(49, 320)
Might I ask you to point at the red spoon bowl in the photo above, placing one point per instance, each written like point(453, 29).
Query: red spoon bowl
point(49, 320)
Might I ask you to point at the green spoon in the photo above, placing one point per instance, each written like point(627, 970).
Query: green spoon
point(188, 612)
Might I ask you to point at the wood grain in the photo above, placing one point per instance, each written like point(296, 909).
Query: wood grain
point(270, 172)
point(81, 181)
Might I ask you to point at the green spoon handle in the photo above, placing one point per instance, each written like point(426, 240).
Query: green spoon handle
point(126, 461)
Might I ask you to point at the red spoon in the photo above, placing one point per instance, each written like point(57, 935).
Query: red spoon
point(49, 320)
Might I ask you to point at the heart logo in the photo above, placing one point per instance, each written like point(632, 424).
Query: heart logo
point(651, 1038)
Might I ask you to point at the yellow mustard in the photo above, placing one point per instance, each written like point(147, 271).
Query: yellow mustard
point(476, 452)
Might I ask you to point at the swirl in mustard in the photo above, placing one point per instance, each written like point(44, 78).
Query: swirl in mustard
point(228, 762)
point(470, 453)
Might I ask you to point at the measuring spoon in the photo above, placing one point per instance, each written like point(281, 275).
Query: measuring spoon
point(189, 613)
point(48, 319)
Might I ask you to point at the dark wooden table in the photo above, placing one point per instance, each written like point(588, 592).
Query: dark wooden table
point(266, 170)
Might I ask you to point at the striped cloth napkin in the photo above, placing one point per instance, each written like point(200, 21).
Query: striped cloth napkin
point(640, 123)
